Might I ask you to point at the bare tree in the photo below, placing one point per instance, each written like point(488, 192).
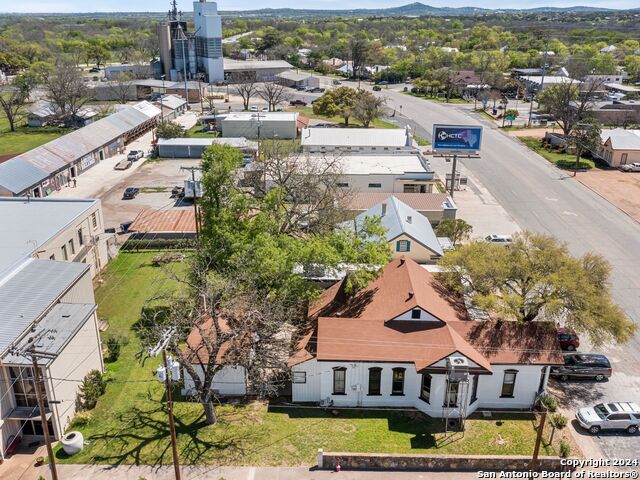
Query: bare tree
point(222, 322)
point(66, 90)
point(367, 107)
point(13, 98)
point(359, 49)
point(273, 93)
point(246, 89)
point(315, 198)
point(122, 85)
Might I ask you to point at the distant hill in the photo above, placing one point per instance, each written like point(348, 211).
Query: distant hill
point(411, 9)
point(415, 9)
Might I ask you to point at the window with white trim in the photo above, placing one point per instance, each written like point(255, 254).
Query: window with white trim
point(299, 377)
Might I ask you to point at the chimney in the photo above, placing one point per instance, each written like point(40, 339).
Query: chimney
point(401, 261)
point(410, 295)
point(409, 219)
point(384, 209)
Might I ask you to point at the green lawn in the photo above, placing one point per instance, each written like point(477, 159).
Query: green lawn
point(456, 100)
point(129, 424)
point(565, 161)
point(353, 123)
point(196, 132)
point(25, 138)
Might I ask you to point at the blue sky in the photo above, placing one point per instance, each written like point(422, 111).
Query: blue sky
point(185, 5)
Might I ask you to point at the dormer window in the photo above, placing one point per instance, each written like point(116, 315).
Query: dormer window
point(416, 314)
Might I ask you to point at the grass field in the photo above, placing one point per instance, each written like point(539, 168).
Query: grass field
point(25, 138)
point(564, 161)
point(455, 100)
point(196, 132)
point(129, 424)
point(353, 123)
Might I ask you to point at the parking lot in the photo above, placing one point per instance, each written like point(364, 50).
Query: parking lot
point(619, 188)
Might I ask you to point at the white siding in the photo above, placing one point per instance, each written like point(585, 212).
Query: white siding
point(424, 317)
point(319, 386)
point(81, 355)
point(389, 183)
point(229, 381)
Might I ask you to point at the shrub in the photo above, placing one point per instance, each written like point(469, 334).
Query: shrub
point(565, 448)
point(80, 419)
point(114, 344)
point(92, 387)
point(559, 421)
point(549, 402)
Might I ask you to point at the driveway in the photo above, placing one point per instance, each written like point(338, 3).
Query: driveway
point(622, 189)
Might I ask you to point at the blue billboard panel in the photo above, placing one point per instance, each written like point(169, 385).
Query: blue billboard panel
point(457, 138)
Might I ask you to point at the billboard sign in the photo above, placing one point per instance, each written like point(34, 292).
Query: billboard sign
point(457, 138)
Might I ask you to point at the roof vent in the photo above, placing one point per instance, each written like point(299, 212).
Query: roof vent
point(411, 294)
point(384, 209)
point(401, 261)
point(409, 219)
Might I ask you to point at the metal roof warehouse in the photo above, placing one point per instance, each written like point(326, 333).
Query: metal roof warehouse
point(44, 169)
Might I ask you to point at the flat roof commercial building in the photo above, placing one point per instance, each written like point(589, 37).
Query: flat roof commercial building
point(358, 140)
point(268, 125)
point(48, 167)
point(194, 147)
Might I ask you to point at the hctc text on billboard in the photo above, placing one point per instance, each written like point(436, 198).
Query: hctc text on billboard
point(457, 138)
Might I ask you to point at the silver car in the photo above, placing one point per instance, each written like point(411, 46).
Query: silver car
point(630, 167)
point(610, 416)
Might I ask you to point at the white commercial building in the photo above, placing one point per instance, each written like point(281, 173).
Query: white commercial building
point(358, 140)
point(266, 125)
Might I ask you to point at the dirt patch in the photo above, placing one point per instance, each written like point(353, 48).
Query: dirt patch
point(531, 132)
point(619, 188)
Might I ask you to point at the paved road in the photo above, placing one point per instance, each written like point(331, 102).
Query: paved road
point(542, 198)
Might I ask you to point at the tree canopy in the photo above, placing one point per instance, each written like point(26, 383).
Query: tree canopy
point(536, 278)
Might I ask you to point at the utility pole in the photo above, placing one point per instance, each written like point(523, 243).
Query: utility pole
point(544, 69)
point(195, 197)
point(172, 423)
point(43, 414)
point(161, 96)
point(200, 92)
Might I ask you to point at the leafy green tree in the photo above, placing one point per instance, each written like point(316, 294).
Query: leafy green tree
point(14, 98)
point(512, 113)
point(336, 102)
point(455, 228)
point(169, 129)
point(536, 278)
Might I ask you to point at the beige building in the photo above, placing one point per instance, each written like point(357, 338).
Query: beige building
point(66, 230)
point(620, 147)
point(52, 302)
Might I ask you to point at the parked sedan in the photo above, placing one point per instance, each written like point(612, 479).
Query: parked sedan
point(568, 339)
point(583, 365)
point(123, 165)
point(130, 193)
point(298, 102)
point(499, 239)
point(135, 155)
point(630, 167)
point(610, 416)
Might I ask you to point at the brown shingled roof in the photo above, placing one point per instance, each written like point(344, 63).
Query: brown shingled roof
point(361, 327)
point(362, 201)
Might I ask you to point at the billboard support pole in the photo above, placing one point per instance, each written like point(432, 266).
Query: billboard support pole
point(453, 174)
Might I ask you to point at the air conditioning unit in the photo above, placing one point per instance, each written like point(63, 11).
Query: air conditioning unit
point(458, 369)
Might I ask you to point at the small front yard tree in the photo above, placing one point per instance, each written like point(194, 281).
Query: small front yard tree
point(169, 129)
point(536, 278)
point(511, 115)
point(585, 137)
point(338, 102)
point(368, 107)
point(454, 228)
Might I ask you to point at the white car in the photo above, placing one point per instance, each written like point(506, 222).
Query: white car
point(500, 239)
point(630, 167)
point(610, 416)
point(253, 109)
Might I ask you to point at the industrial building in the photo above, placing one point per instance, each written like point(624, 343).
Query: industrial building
point(53, 165)
point(358, 140)
point(282, 125)
point(50, 250)
point(254, 70)
point(186, 54)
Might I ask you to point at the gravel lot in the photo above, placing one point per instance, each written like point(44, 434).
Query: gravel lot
point(620, 188)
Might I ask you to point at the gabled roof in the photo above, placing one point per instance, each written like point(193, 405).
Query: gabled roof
point(621, 139)
point(364, 326)
point(400, 219)
point(418, 201)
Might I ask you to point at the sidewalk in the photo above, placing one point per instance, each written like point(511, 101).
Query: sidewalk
point(132, 472)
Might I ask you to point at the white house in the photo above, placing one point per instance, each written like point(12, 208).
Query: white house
point(403, 342)
point(358, 140)
point(408, 232)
